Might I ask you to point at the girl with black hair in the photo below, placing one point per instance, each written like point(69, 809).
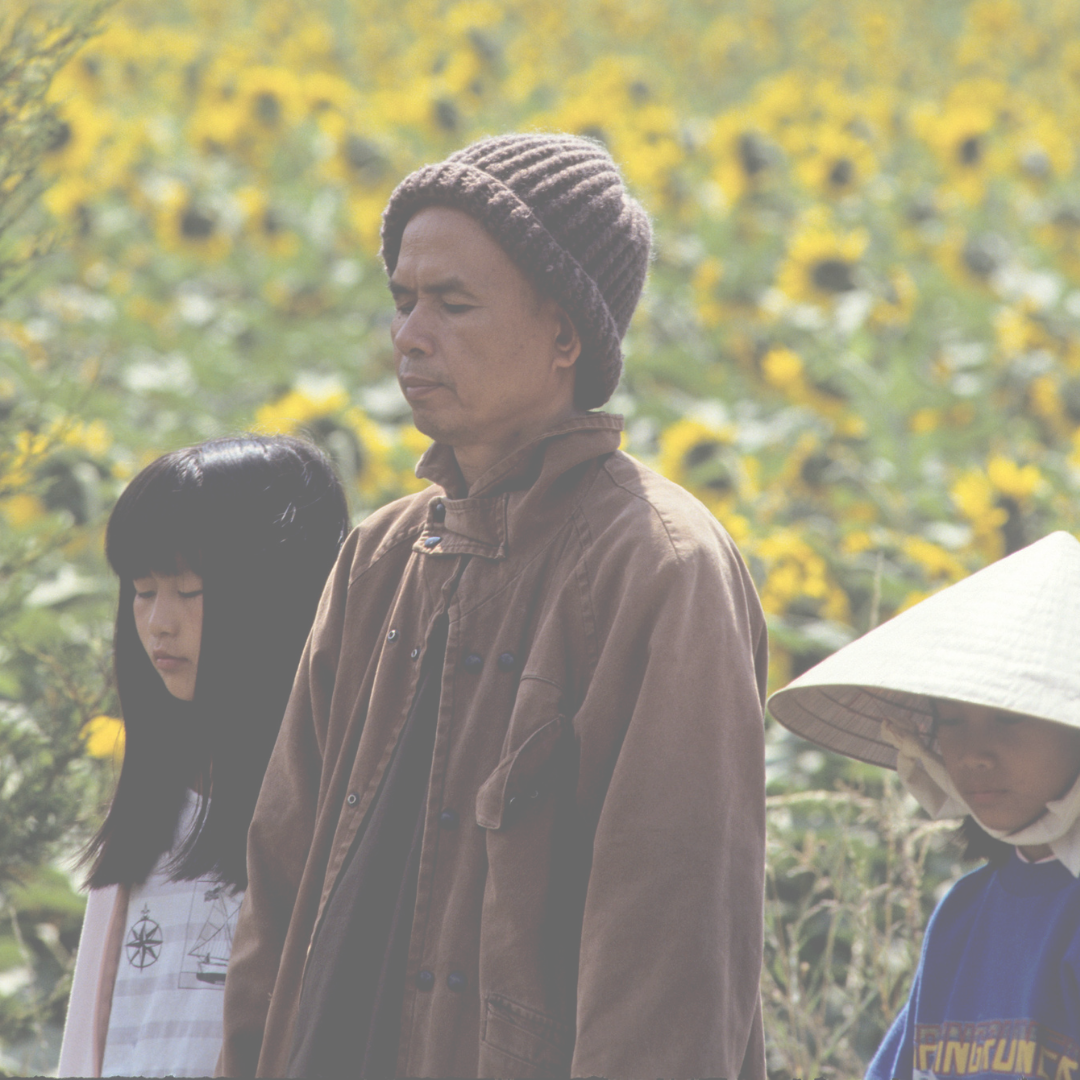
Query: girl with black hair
point(222, 551)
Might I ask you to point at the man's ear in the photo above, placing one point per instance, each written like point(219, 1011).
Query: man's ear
point(567, 343)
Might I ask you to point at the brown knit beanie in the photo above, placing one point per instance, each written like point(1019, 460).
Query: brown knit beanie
point(557, 206)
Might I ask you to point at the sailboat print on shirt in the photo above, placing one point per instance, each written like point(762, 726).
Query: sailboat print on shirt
point(206, 960)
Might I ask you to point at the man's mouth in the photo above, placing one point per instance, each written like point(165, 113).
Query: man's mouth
point(414, 387)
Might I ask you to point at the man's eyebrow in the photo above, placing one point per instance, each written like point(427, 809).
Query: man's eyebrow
point(438, 288)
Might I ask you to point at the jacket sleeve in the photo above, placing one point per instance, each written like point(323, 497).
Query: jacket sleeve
point(77, 1049)
point(280, 834)
point(671, 944)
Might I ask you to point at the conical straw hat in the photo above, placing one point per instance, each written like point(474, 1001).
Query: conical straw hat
point(1007, 637)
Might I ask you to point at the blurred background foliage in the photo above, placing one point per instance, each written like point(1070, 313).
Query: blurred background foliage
point(859, 346)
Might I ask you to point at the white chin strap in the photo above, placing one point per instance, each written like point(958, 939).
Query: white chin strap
point(923, 774)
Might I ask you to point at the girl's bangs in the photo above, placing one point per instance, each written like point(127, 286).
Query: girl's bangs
point(160, 555)
point(154, 526)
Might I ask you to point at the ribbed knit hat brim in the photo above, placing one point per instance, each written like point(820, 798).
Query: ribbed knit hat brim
point(558, 207)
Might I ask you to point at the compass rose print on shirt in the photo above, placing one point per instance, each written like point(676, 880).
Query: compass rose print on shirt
point(144, 941)
point(206, 959)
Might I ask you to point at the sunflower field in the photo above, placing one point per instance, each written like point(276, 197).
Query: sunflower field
point(859, 346)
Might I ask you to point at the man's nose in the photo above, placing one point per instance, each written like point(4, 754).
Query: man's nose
point(412, 335)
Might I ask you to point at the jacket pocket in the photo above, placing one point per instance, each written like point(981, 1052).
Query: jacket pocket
point(521, 779)
point(543, 1045)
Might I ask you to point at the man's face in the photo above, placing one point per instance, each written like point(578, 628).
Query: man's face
point(481, 357)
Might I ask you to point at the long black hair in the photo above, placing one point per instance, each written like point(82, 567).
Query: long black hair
point(261, 519)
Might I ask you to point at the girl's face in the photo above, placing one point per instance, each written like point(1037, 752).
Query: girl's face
point(1006, 766)
point(168, 617)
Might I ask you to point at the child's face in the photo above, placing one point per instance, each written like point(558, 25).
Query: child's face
point(1006, 766)
point(168, 617)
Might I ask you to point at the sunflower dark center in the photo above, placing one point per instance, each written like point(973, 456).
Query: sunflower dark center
point(753, 153)
point(700, 453)
point(1070, 398)
point(831, 388)
point(984, 254)
point(60, 137)
point(719, 485)
point(446, 115)
point(363, 157)
point(815, 468)
point(1013, 531)
point(592, 131)
point(267, 109)
point(970, 150)
point(486, 47)
point(196, 224)
point(842, 173)
point(271, 223)
point(833, 275)
point(1068, 217)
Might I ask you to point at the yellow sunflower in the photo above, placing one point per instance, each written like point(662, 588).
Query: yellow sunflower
point(272, 99)
point(702, 459)
point(104, 737)
point(263, 224)
point(745, 159)
point(691, 453)
point(82, 126)
point(375, 477)
point(797, 575)
point(822, 261)
point(963, 136)
point(984, 496)
point(186, 223)
point(896, 302)
point(934, 560)
point(835, 162)
point(298, 408)
point(323, 91)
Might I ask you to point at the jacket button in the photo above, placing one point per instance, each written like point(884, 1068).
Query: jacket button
point(457, 981)
point(507, 661)
point(473, 662)
point(425, 979)
point(415, 653)
point(353, 799)
point(392, 636)
point(438, 511)
point(432, 541)
point(511, 803)
point(448, 819)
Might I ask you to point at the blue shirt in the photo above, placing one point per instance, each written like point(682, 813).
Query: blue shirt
point(997, 991)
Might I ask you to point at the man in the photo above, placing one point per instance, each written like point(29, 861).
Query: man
point(514, 821)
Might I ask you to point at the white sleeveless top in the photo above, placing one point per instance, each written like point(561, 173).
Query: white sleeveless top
point(166, 1016)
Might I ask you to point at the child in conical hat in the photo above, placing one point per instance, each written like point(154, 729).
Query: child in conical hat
point(973, 696)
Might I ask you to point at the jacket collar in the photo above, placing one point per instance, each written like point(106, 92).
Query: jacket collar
point(477, 524)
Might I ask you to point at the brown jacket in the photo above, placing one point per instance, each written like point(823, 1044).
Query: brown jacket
point(600, 740)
